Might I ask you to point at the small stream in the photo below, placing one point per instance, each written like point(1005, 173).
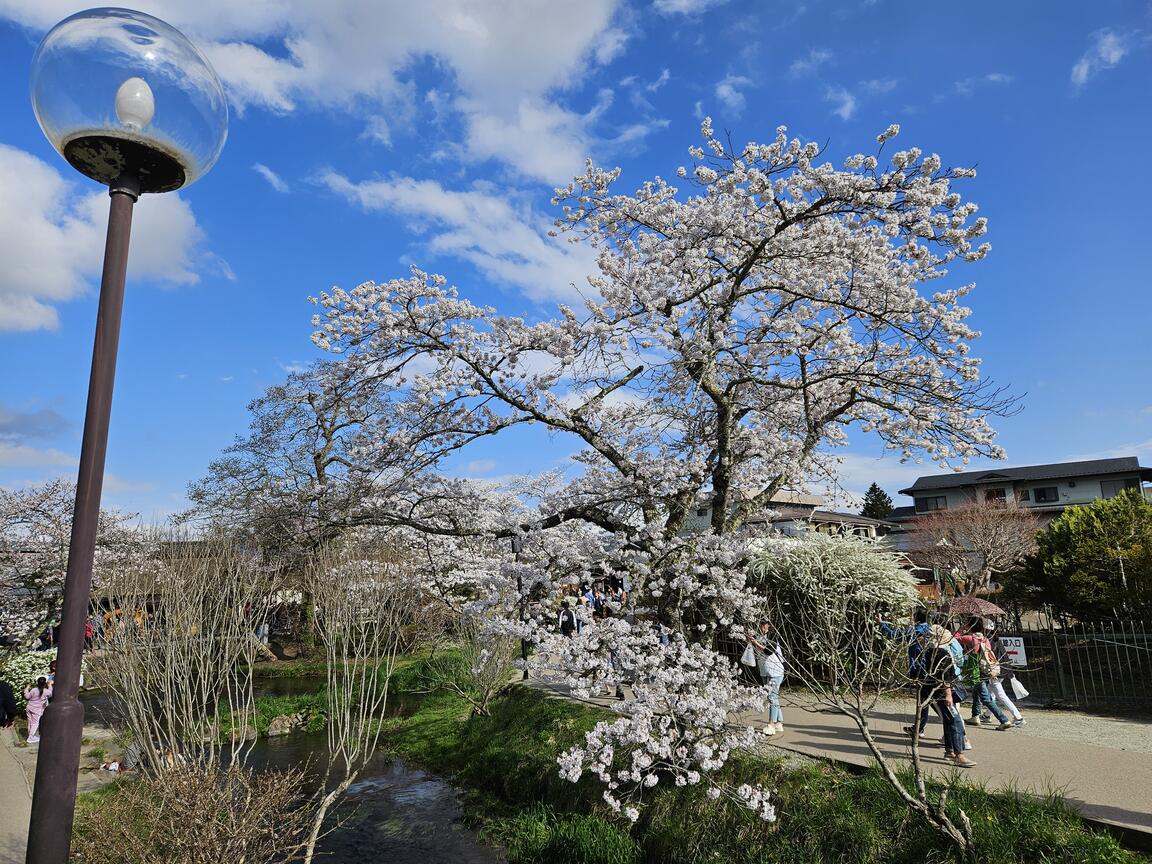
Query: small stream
point(395, 812)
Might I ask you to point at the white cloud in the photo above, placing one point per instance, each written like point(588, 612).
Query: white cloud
point(968, 86)
point(878, 86)
point(115, 484)
point(52, 240)
point(380, 131)
point(14, 455)
point(685, 7)
point(857, 472)
point(815, 58)
point(1140, 449)
point(639, 90)
point(480, 466)
point(728, 92)
point(509, 60)
point(1106, 50)
point(844, 101)
point(274, 179)
point(508, 243)
point(541, 139)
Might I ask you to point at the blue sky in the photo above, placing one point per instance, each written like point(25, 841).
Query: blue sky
point(369, 136)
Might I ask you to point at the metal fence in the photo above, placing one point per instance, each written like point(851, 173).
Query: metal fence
point(1086, 664)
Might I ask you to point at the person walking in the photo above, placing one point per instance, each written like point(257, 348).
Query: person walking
point(567, 622)
point(980, 667)
point(1003, 675)
point(941, 678)
point(37, 698)
point(770, 665)
point(915, 635)
point(8, 707)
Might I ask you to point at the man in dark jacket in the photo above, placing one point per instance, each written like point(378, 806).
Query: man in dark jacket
point(916, 636)
point(940, 682)
point(8, 707)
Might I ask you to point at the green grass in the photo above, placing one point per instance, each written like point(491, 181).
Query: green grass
point(540, 835)
point(826, 815)
point(312, 705)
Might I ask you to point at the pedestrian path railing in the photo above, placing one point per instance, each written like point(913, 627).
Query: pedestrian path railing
point(1086, 664)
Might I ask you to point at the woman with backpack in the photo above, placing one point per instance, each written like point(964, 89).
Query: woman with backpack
point(980, 668)
point(37, 698)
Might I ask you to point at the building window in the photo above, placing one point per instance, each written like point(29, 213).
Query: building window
point(994, 496)
point(1112, 488)
point(1046, 494)
point(926, 505)
point(1024, 495)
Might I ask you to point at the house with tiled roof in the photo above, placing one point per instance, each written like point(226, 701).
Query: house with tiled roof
point(1045, 489)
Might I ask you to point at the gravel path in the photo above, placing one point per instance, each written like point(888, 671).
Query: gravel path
point(1113, 732)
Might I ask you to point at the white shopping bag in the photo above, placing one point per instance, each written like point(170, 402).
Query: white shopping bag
point(1018, 689)
point(748, 658)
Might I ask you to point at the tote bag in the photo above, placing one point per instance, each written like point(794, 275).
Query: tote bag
point(1018, 689)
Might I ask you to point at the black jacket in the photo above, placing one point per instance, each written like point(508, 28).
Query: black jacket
point(8, 707)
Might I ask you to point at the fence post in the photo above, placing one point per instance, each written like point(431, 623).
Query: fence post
point(1056, 654)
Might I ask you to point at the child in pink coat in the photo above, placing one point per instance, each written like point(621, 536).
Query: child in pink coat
point(37, 697)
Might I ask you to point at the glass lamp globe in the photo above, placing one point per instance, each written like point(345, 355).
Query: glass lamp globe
point(119, 93)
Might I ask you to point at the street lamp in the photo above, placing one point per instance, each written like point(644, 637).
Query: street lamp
point(131, 103)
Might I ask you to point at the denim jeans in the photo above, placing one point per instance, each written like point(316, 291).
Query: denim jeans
point(981, 694)
point(925, 700)
point(953, 726)
point(772, 683)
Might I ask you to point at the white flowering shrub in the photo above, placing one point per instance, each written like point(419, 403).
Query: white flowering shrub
point(823, 595)
point(22, 670)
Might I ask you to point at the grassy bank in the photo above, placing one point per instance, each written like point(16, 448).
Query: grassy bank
point(508, 764)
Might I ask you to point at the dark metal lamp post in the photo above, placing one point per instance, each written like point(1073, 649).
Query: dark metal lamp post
point(131, 103)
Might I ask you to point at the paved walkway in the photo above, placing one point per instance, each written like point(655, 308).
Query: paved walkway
point(1102, 766)
point(15, 802)
point(1108, 778)
point(17, 772)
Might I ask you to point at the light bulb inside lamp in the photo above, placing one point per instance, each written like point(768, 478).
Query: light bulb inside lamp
point(135, 103)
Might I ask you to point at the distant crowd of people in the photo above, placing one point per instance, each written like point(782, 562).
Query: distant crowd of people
point(946, 668)
point(950, 668)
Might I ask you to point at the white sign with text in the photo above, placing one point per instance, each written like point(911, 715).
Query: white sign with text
point(1014, 653)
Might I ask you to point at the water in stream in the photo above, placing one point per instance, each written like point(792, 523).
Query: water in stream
point(394, 813)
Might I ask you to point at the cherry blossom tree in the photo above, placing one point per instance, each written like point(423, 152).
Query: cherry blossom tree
point(737, 331)
point(35, 529)
point(290, 483)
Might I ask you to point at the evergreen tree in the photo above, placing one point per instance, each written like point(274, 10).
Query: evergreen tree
point(877, 503)
point(1093, 561)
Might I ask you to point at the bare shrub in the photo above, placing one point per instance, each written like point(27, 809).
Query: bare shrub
point(976, 543)
point(198, 814)
point(180, 652)
point(366, 603)
point(479, 668)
